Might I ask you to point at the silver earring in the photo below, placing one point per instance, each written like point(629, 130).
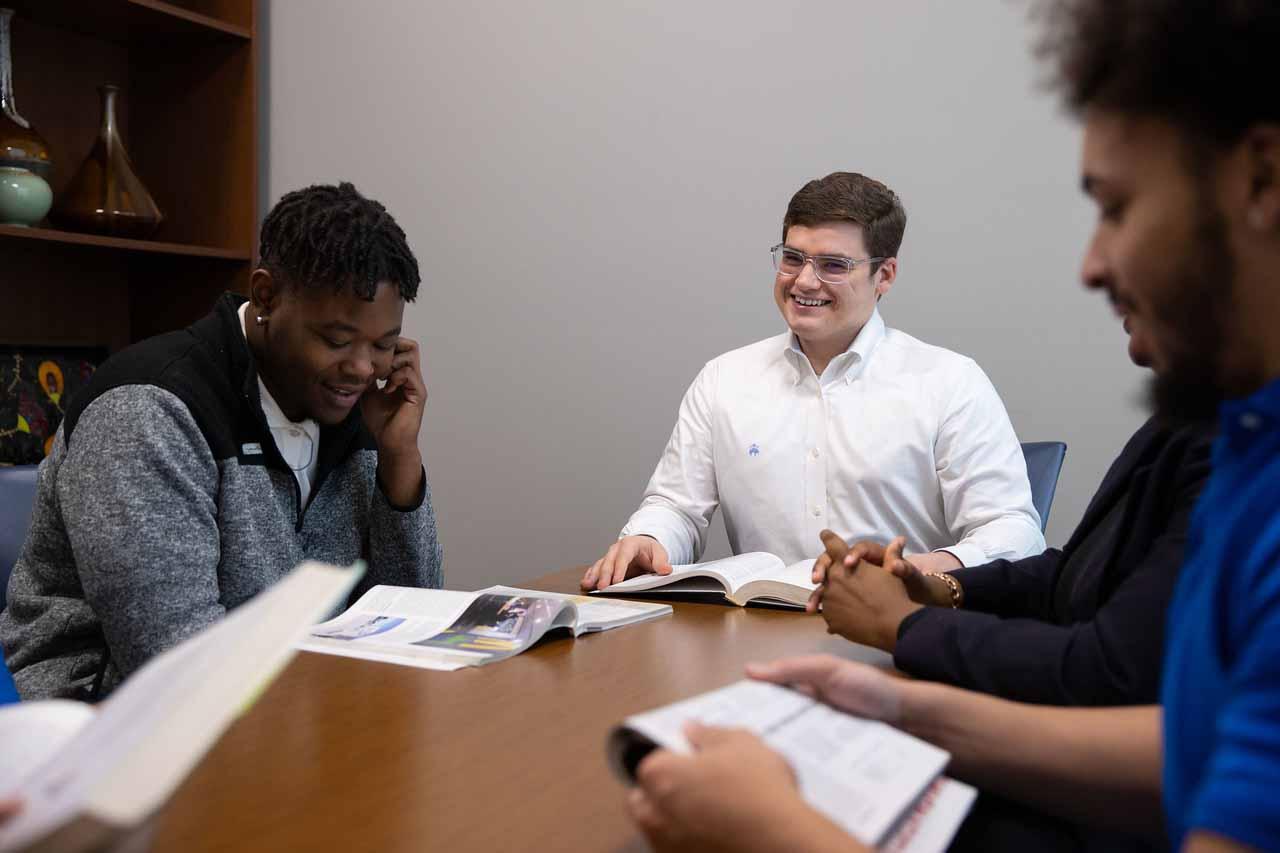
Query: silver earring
point(261, 320)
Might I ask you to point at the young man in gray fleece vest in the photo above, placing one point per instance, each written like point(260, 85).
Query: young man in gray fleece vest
point(200, 466)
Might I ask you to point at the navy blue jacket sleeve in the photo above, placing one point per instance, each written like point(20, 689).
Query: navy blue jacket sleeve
point(1012, 587)
point(1015, 652)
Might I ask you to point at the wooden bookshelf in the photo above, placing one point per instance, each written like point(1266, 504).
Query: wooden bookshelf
point(187, 70)
point(15, 232)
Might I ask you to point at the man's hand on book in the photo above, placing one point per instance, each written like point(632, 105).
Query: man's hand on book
point(626, 558)
point(732, 793)
point(858, 688)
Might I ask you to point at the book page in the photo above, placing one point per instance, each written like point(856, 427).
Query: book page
point(385, 623)
point(862, 774)
point(736, 571)
point(597, 614)
point(147, 736)
point(497, 626)
point(799, 574)
point(790, 587)
point(933, 820)
point(32, 732)
point(447, 630)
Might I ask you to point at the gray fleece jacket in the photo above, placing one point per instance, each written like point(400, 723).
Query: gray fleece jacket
point(164, 503)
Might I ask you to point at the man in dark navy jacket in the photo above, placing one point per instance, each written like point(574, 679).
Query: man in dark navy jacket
point(1081, 625)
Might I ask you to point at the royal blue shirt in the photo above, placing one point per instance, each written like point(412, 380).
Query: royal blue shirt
point(1221, 687)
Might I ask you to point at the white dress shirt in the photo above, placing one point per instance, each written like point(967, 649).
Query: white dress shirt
point(297, 441)
point(896, 437)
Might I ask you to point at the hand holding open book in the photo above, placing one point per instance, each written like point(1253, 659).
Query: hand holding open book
point(876, 783)
point(84, 778)
point(753, 577)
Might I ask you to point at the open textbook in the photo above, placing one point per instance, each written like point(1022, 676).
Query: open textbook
point(751, 577)
point(881, 785)
point(85, 775)
point(447, 630)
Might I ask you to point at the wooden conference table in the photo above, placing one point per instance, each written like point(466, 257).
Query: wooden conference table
point(342, 754)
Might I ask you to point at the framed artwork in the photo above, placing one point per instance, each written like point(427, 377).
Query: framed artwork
point(36, 384)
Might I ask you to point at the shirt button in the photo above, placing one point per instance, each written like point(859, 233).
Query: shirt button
point(817, 511)
point(1250, 420)
point(815, 453)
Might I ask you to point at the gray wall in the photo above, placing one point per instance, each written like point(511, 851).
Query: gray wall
point(591, 189)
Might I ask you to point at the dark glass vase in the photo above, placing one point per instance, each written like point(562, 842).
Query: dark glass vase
point(106, 196)
point(20, 146)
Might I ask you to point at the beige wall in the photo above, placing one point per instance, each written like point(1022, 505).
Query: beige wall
point(591, 189)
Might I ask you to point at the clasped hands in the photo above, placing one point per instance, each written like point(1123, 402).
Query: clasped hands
point(867, 589)
point(734, 792)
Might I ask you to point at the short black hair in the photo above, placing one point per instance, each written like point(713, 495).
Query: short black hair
point(1209, 67)
point(332, 236)
point(851, 197)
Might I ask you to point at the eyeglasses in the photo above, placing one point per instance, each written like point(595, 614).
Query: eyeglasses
point(832, 269)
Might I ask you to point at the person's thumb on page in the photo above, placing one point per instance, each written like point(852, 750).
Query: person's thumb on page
point(659, 562)
point(701, 736)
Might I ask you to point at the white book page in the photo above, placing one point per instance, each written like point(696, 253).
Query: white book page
point(752, 705)
point(735, 571)
point(32, 732)
point(386, 621)
point(799, 574)
point(596, 614)
point(148, 735)
point(933, 820)
point(392, 615)
point(862, 774)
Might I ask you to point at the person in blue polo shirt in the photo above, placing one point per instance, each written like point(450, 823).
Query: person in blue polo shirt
point(1182, 159)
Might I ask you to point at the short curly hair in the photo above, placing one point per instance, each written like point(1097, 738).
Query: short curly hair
point(1209, 67)
point(327, 236)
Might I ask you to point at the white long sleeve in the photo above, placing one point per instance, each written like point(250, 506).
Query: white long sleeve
point(896, 438)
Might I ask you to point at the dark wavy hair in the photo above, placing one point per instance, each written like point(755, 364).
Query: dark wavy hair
point(855, 198)
point(332, 236)
point(1209, 67)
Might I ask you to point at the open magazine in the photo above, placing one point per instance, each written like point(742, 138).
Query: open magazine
point(881, 785)
point(86, 775)
point(447, 630)
point(752, 577)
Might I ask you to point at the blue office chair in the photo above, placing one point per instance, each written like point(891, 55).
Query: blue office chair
point(1044, 463)
point(17, 495)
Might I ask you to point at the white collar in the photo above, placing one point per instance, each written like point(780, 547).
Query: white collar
point(848, 364)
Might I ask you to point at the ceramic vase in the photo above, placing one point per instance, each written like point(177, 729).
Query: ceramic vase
point(25, 197)
point(20, 145)
point(106, 196)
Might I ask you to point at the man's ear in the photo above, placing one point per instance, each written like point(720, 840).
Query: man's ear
point(885, 276)
point(264, 291)
point(1261, 150)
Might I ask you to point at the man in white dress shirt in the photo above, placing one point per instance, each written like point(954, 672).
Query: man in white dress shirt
point(840, 423)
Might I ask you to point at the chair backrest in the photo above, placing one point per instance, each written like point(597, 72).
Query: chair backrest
point(1044, 463)
point(17, 495)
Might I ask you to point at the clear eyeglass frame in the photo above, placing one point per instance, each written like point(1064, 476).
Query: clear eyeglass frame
point(830, 269)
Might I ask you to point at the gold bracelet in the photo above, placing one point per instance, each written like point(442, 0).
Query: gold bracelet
point(952, 584)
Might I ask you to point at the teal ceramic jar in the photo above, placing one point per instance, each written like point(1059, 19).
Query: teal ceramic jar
point(25, 198)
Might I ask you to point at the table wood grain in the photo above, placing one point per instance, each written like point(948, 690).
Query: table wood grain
point(343, 754)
